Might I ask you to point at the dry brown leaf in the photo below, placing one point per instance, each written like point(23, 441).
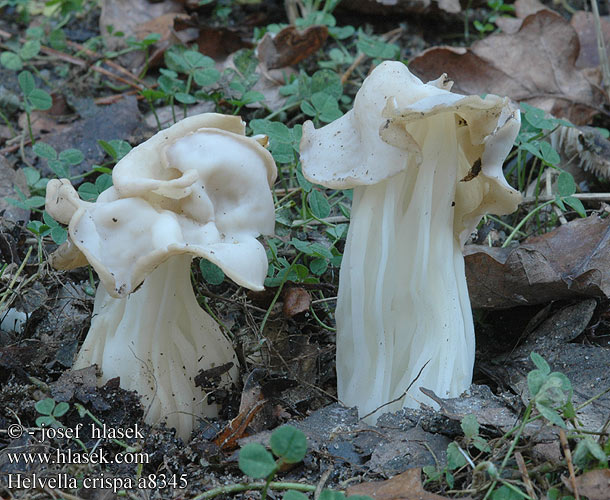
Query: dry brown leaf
point(571, 261)
point(165, 25)
point(523, 8)
point(290, 46)
point(595, 484)
point(405, 486)
point(388, 7)
point(218, 42)
point(584, 24)
point(535, 65)
point(296, 301)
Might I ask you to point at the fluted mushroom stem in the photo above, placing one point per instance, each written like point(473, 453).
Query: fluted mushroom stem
point(159, 332)
point(411, 306)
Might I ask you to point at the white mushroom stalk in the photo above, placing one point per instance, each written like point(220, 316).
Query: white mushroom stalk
point(200, 188)
point(425, 165)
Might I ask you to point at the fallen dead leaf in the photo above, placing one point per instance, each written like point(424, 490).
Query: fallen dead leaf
point(125, 16)
point(595, 484)
point(535, 65)
point(584, 24)
point(290, 46)
point(296, 301)
point(387, 7)
point(405, 486)
point(164, 25)
point(523, 8)
point(218, 42)
point(571, 261)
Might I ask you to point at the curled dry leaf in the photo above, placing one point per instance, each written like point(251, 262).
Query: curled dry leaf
point(296, 301)
point(290, 46)
point(523, 8)
point(405, 486)
point(535, 65)
point(594, 484)
point(571, 261)
point(584, 24)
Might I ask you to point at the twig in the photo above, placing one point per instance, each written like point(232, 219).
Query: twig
point(581, 196)
point(336, 219)
point(77, 61)
point(525, 475)
point(322, 482)
point(390, 36)
point(568, 454)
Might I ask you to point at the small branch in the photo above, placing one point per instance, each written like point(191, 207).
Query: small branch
point(581, 196)
point(568, 454)
point(525, 475)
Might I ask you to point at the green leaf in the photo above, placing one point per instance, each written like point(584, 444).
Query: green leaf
point(71, 156)
point(57, 39)
point(577, 205)
point(549, 154)
point(32, 176)
point(550, 414)
point(46, 421)
point(44, 150)
point(470, 426)
point(121, 147)
point(185, 98)
point(294, 495)
point(565, 184)
point(29, 49)
point(103, 182)
point(535, 380)
point(88, 191)
point(341, 33)
point(318, 266)
point(45, 406)
point(35, 202)
point(206, 77)
point(176, 62)
point(59, 235)
point(252, 96)
point(40, 99)
point(505, 493)
point(289, 443)
point(197, 60)
point(318, 204)
point(376, 47)
point(58, 168)
point(455, 458)
point(60, 409)
point(26, 82)
point(308, 109)
point(311, 249)
point(211, 272)
point(331, 495)
point(11, 61)
point(304, 184)
point(255, 461)
point(540, 363)
point(326, 81)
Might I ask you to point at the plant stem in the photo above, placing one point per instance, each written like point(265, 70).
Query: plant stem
point(236, 488)
point(524, 220)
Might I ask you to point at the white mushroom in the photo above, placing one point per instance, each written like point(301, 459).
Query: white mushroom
point(425, 165)
point(200, 188)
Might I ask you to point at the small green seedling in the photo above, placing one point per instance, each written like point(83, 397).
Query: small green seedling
point(50, 411)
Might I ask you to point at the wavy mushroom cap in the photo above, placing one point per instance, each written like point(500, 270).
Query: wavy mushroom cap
point(384, 134)
point(200, 187)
